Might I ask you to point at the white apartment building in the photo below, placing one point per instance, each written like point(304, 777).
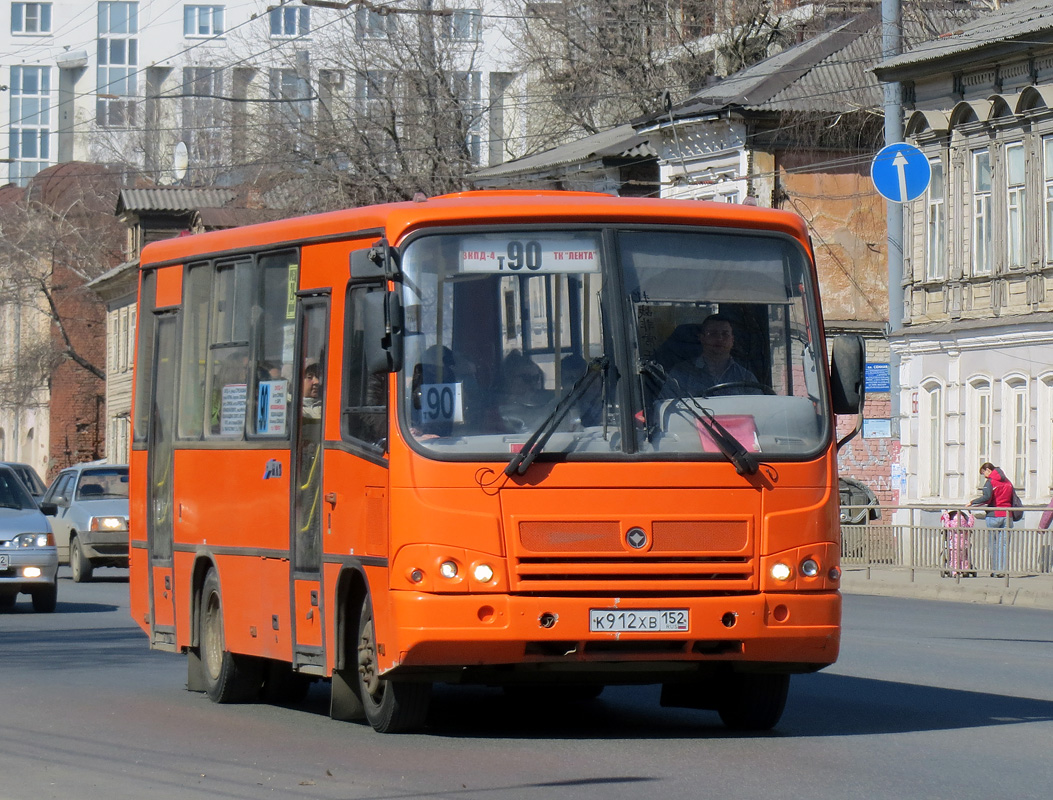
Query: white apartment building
point(181, 90)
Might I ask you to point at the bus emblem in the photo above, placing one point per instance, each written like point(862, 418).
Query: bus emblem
point(636, 538)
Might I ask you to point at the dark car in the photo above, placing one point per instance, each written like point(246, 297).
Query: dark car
point(28, 557)
point(29, 477)
point(88, 507)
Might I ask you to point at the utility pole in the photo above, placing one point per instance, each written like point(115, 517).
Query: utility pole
point(892, 45)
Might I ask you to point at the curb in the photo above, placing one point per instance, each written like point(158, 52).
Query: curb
point(931, 587)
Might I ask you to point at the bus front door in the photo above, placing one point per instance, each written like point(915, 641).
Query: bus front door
point(159, 530)
point(308, 442)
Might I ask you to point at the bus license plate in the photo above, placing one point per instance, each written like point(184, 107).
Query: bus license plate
point(5, 561)
point(644, 620)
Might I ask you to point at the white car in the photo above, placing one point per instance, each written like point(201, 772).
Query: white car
point(28, 557)
point(88, 507)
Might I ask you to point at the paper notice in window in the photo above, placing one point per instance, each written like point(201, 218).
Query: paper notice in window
point(741, 426)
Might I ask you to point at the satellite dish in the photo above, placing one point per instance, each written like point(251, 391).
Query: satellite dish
point(180, 161)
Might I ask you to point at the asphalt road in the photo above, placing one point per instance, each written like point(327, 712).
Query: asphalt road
point(930, 699)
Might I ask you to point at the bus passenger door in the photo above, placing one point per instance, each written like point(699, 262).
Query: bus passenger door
point(159, 466)
point(308, 441)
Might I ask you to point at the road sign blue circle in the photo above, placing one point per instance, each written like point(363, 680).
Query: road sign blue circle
point(900, 172)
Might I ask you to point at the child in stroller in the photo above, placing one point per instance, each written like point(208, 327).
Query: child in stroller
point(956, 561)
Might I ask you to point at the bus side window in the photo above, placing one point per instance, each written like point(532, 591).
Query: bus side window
point(365, 417)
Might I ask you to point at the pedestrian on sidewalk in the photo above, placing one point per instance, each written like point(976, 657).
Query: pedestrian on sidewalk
point(998, 497)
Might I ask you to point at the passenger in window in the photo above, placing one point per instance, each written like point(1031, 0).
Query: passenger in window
point(524, 401)
point(714, 367)
point(312, 391)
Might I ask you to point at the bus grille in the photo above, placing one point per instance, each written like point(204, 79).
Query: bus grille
point(688, 556)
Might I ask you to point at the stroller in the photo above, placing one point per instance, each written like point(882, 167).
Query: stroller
point(956, 560)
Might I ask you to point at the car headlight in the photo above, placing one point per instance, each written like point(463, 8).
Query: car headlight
point(108, 524)
point(33, 540)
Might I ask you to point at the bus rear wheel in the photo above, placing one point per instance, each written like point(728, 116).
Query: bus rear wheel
point(228, 678)
point(753, 701)
point(390, 706)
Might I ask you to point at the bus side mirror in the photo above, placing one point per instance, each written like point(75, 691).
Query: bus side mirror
point(848, 374)
point(383, 332)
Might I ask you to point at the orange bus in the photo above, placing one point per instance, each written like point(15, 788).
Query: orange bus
point(543, 441)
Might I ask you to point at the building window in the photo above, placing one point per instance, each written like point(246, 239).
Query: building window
point(981, 212)
point(290, 21)
point(371, 24)
point(30, 133)
point(1015, 204)
point(204, 133)
point(935, 250)
point(30, 18)
point(118, 63)
point(1045, 434)
point(464, 24)
point(1016, 418)
point(931, 441)
point(202, 21)
point(467, 89)
point(1047, 170)
point(371, 89)
point(978, 422)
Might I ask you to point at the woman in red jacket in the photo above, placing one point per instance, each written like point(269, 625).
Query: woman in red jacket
point(998, 496)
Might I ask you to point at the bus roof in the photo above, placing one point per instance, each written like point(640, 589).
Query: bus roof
point(395, 220)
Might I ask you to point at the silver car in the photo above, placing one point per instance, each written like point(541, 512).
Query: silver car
point(28, 557)
point(88, 507)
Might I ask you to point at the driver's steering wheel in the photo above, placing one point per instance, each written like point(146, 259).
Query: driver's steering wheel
point(743, 384)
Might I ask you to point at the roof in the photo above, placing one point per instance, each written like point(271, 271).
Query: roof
point(172, 198)
point(1015, 27)
point(620, 142)
point(827, 73)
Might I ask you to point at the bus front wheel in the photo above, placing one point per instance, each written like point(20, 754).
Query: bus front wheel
point(753, 701)
point(390, 706)
point(228, 678)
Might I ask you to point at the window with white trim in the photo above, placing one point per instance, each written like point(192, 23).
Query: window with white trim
point(1045, 434)
point(202, 21)
point(1016, 418)
point(981, 212)
point(118, 64)
point(1016, 208)
point(464, 24)
point(30, 18)
point(978, 418)
point(29, 136)
point(289, 21)
point(930, 440)
point(935, 247)
point(1047, 172)
point(370, 24)
point(468, 88)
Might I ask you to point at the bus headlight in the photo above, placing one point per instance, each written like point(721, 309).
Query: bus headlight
point(809, 568)
point(448, 569)
point(781, 571)
point(483, 573)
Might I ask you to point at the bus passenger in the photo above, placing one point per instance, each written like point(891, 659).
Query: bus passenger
point(312, 391)
point(524, 400)
point(589, 407)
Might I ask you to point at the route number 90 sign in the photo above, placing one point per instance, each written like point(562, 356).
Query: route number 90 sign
point(441, 402)
point(529, 253)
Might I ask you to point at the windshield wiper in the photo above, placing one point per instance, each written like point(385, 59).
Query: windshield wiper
point(533, 446)
point(745, 462)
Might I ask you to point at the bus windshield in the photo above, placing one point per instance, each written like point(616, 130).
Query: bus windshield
point(683, 328)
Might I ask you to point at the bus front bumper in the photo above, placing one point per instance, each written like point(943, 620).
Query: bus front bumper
point(790, 632)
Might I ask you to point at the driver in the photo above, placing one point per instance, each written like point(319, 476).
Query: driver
point(713, 367)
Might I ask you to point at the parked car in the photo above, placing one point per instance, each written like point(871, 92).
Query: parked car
point(88, 507)
point(28, 557)
point(859, 504)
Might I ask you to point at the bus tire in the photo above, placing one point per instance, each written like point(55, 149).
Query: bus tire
point(228, 678)
point(753, 701)
point(390, 706)
point(78, 563)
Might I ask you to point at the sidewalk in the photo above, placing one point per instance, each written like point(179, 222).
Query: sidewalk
point(1032, 591)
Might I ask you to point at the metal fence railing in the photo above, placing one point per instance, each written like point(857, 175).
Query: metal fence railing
point(916, 537)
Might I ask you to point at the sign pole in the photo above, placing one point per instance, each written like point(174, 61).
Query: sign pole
point(892, 45)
